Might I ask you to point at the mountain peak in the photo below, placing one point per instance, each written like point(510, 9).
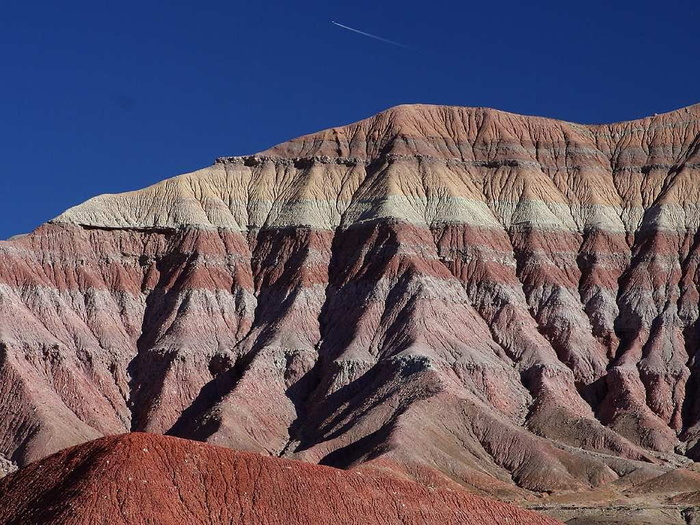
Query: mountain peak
point(462, 148)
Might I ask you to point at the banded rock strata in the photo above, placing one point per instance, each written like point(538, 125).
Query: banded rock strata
point(454, 294)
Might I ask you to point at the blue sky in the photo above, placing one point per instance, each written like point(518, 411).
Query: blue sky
point(107, 98)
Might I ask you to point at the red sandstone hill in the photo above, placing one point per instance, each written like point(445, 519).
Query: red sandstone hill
point(145, 478)
point(510, 303)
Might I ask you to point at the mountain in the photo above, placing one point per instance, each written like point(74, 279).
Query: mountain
point(146, 478)
point(505, 302)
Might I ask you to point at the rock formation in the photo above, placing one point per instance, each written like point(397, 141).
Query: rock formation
point(506, 302)
point(6, 466)
point(145, 478)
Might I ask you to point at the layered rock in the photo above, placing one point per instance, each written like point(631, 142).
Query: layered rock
point(134, 479)
point(508, 302)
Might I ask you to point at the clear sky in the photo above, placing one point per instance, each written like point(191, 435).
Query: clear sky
point(103, 97)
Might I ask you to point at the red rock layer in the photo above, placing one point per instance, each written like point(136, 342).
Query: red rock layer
point(144, 478)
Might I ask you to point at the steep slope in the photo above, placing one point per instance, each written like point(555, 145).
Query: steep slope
point(145, 478)
point(509, 301)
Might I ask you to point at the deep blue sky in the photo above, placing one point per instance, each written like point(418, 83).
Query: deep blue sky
point(106, 97)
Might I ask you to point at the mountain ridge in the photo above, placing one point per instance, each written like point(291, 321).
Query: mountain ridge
point(509, 302)
point(297, 151)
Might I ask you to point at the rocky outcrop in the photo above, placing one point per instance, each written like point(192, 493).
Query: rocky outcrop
point(145, 478)
point(503, 301)
point(6, 466)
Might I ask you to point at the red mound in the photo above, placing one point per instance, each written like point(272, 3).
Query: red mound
point(146, 478)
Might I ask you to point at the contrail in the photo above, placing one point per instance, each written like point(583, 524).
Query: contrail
point(370, 35)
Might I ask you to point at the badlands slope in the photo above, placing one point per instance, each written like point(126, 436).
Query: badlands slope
point(506, 302)
point(144, 478)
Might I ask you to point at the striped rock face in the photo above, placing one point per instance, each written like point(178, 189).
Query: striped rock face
point(460, 294)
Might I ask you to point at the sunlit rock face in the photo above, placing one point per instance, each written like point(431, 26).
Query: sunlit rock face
point(507, 302)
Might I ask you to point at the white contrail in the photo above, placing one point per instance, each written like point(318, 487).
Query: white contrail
point(370, 35)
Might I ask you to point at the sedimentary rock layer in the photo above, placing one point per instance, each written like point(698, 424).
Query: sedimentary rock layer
point(503, 301)
point(145, 478)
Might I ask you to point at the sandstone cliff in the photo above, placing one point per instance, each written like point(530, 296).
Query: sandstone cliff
point(506, 302)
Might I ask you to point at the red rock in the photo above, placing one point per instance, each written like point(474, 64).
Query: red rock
point(145, 478)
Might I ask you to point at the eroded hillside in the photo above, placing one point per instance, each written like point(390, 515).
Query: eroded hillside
point(507, 302)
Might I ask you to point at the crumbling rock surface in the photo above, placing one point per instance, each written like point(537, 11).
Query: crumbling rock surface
point(505, 302)
point(6, 466)
point(147, 478)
